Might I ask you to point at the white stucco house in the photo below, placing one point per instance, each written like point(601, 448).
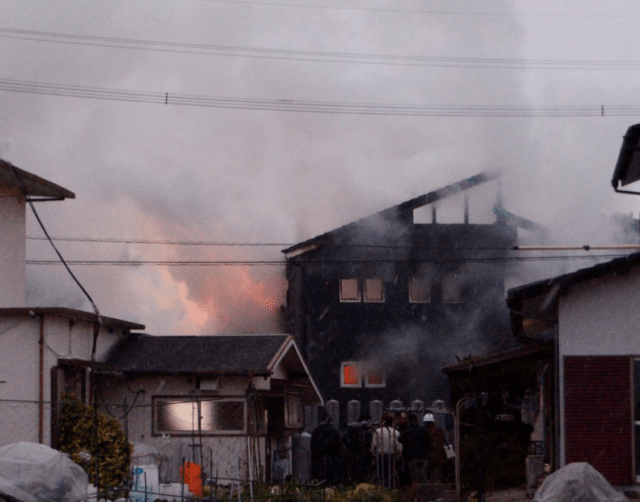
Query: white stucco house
point(44, 350)
point(229, 403)
point(593, 317)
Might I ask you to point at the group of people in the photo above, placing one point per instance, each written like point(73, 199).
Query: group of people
point(398, 453)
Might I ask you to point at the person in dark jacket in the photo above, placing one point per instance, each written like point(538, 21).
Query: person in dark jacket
point(357, 441)
point(415, 448)
point(326, 451)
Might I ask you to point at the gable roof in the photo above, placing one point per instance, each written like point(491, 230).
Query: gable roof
point(35, 186)
point(231, 354)
point(397, 211)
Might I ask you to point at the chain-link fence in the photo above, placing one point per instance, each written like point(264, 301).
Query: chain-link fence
point(223, 458)
point(193, 463)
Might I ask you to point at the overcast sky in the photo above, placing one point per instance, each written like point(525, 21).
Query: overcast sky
point(149, 170)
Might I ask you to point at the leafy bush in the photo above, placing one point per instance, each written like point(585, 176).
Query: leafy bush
point(85, 435)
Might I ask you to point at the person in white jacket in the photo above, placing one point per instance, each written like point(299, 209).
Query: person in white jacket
point(386, 449)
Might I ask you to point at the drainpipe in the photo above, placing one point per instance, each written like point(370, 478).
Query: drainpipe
point(41, 384)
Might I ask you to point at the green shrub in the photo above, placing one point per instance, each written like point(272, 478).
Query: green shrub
point(84, 441)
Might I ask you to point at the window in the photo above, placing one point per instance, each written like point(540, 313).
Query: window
point(178, 415)
point(452, 288)
point(355, 374)
point(420, 289)
point(375, 378)
point(373, 290)
point(350, 375)
point(349, 290)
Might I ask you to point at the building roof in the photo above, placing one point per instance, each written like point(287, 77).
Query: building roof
point(108, 322)
point(230, 354)
point(398, 210)
point(533, 308)
point(404, 211)
point(498, 357)
point(557, 285)
point(36, 188)
point(627, 168)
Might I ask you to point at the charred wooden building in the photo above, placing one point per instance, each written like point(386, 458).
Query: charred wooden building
point(379, 306)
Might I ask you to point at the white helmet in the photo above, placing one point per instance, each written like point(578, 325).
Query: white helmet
point(428, 418)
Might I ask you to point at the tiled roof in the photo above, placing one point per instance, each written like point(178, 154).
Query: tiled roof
point(239, 354)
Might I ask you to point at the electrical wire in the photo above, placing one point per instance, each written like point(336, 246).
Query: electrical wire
point(316, 56)
point(585, 247)
point(245, 263)
point(24, 191)
point(167, 242)
point(288, 105)
point(423, 11)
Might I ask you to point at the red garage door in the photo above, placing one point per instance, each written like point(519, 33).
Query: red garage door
point(598, 421)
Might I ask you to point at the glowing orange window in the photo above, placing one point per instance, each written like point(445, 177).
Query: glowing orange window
point(350, 375)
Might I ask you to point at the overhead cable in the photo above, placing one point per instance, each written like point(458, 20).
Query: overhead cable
point(318, 56)
point(289, 105)
point(244, 263)
point(423, 11)
point(62, 261)
point(585, 247)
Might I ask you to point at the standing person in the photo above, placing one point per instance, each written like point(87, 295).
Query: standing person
point(437, 456)
point(357, 441)
point(415, 448)
point(386, 448)
point(402, 463)
point(326, 450)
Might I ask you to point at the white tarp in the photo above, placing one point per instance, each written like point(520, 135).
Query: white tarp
point(32, 472)
point(577, 482)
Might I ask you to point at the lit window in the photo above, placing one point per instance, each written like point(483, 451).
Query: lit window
point(420, 289)
point(452, 289)
point(373, 290)
point(350, 375)
point(175, 416)
point(375, 378)
point(349, 290)
point(353, 374)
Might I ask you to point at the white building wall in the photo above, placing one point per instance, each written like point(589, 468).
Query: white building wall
point(20, 369)
point(12, 248)
point(601, 317)
point(598, 318)
point(225, 456)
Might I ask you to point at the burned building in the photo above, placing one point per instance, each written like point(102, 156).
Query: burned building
point(380, 305)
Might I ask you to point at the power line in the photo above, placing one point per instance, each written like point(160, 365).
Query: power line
point(111, 240)
point(425, 11)
point(166, 242)
point(244, 263)
point(318, 56)
point(287, 105)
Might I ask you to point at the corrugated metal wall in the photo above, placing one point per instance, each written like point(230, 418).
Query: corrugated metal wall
point(598, 420)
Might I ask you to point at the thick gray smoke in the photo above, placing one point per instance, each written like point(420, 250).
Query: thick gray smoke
point(164, 172)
